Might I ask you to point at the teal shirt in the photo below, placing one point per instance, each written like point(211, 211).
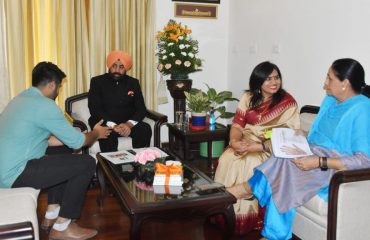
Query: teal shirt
point(25, 127)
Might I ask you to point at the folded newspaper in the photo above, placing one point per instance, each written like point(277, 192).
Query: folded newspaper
point(126, 156)
point(287, 144)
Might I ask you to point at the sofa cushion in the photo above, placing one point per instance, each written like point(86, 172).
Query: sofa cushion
point(306, 120)
point(81, 111)
point(19, 205)
point(317, 205)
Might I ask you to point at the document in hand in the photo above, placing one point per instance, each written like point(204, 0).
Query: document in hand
point(287, 144)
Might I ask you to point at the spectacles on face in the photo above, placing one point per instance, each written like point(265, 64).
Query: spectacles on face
point(276, 78)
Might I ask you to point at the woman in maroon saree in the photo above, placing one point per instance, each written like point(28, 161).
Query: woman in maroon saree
point(265, 106)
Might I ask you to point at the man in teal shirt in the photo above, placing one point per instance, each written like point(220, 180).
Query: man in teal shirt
point(29, 124)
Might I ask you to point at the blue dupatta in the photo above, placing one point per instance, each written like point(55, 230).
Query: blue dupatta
point(346, 128)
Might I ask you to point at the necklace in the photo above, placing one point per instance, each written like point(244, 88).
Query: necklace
point(260, 114)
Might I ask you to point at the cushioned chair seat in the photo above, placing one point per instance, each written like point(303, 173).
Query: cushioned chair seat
point(19, 205)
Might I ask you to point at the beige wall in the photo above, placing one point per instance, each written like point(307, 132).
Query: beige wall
point(302, 37)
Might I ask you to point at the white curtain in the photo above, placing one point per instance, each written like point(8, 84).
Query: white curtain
point(77, 36)
point(4, 81)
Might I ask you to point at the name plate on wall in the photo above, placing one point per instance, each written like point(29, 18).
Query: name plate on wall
point(195, 11)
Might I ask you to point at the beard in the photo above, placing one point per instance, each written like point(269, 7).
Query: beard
point(116, 75)
point(55, 93)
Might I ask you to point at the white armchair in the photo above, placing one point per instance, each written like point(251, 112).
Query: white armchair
point(18, 216)
point(77, 107)
point(346, 215)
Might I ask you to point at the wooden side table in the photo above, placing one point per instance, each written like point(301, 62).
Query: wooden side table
point(187, 136)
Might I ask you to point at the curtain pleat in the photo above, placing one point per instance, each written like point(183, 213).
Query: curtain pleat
point(4, 80)
point(77, 35)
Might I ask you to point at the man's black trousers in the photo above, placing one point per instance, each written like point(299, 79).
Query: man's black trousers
point(64, 176)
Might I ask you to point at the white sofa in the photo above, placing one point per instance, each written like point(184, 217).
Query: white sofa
point(17, 206)
point(347, 215)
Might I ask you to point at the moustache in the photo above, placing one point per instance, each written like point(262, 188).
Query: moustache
point(116, 75)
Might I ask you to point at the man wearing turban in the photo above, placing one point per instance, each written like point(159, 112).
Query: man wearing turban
point(116, 98)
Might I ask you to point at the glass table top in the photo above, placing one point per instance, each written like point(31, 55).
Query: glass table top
point(139, 181)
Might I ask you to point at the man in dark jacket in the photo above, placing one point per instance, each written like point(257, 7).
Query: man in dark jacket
point(117, 98)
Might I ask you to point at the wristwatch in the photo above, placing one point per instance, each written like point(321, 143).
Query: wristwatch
point(324, 164)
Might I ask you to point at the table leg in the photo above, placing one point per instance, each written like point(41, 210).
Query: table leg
point(136, 221)
point(101, 180)
point(229, 215)
point(186, 149)
point(210, 160)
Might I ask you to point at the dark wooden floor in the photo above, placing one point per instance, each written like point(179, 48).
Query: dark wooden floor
point(113, 223)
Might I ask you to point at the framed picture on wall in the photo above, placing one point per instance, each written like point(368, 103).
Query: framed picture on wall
point(199, 1)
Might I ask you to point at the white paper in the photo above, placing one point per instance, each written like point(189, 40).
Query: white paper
point(286, 137)
point(119, 157)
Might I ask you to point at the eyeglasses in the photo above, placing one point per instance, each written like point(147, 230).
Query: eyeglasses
point(277, 77)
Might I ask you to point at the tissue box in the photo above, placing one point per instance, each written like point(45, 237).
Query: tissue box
point(167, 189)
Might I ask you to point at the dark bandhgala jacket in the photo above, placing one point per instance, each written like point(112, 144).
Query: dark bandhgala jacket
point(115, 100)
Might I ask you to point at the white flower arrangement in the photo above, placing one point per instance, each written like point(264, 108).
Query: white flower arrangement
point(177, 52)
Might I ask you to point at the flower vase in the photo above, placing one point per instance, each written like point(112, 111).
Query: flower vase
point(177, 87)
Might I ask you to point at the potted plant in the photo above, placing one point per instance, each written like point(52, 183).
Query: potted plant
point(200, 103)
point(177, 56)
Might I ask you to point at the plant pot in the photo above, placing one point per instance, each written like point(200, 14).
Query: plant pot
point(198, 121)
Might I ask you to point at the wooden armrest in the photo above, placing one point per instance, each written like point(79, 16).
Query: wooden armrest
point(338, 178)
point(79, 124)
point(310, 109)
point(22, 230)
point(159, 120)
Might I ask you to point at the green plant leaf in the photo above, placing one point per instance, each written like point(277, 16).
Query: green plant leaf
point(231, 99)
point(227, 115)
point(221, 109)
point(211, 93)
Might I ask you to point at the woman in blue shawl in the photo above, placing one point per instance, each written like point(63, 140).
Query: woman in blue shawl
point(339, 139)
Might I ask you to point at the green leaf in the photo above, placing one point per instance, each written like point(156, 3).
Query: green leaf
point(221, 109)
point(227, 115)
point(231, 99)
point(225, 94)
point(211, 93)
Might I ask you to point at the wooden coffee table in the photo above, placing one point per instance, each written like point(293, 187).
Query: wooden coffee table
point(141, 203)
